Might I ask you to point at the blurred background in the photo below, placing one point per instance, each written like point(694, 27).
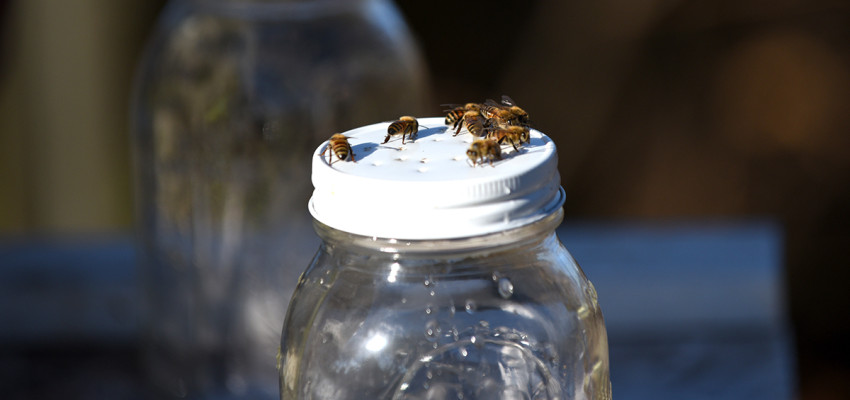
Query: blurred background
point(662, 110)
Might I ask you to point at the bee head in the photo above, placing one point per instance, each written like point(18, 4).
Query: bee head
point(524, 136)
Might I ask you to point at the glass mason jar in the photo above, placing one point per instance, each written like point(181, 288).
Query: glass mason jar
point(437, 280)
point(230, 98)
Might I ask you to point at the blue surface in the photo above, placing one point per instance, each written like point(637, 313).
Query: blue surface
point(693, 310)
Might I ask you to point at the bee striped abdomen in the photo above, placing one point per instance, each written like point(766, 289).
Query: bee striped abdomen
point(339, 147)
point(342, 150)
point(454, 117)
point(396, 128)
point(405, 126)
point(476, 128)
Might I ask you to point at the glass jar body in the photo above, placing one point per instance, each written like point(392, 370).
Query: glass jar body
point(230, 99)
point(509, 315)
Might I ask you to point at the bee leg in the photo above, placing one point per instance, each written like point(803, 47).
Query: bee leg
point(351, 154)
point(386, 139)
point(330, 156)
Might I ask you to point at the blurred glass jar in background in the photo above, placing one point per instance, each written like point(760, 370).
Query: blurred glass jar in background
point(229, 101)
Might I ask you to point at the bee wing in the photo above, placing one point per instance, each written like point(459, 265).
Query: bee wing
point(490, 123)
point(506, 100)
point(492, 103)
point(451, 107)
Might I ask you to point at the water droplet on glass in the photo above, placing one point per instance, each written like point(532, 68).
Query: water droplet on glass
point(463, 352)
point(432, 330)
point(470, 306)
point(403, 300)
point(506, 288)
point(428, 310)
point(433, 293)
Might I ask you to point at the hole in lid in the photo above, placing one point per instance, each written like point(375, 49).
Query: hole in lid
point(402, 158)
point(377, 163)
point(424, 160)
point(423, 169)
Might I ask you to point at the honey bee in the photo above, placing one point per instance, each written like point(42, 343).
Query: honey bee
point(339, 146)
point(484, 150)
point(455, 114)
point(514, 135)
point(404, 126)
point(499, 114)
point(506, 111)
point(474, 123)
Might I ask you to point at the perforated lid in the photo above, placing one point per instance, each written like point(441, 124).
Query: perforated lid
point(428, 188)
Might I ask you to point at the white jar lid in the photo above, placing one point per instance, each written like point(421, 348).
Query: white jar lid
point(428, 188)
